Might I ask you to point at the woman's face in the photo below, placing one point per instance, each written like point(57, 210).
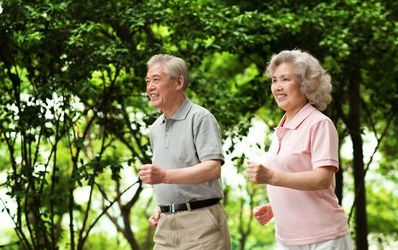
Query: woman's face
point(286, 89)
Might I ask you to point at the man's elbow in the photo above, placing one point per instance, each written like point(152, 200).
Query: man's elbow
point(211, 169)
point(217, 173)
point(216, 169)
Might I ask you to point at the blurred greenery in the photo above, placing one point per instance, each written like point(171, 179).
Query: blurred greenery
point(74, 119)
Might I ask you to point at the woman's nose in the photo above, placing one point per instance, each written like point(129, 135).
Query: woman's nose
point(278, 84)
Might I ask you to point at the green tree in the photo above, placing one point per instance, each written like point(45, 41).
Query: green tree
point(73, 116)
point(64, 121)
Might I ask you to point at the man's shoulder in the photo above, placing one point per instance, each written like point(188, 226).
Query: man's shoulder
point(199, 109)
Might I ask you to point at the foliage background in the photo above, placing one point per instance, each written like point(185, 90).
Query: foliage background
point(74, 121)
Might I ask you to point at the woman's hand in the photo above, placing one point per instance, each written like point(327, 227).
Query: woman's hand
point(263, 214)
point(259, 174)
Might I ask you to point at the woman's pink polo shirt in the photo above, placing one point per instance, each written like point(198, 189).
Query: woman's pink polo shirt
point(307, 142)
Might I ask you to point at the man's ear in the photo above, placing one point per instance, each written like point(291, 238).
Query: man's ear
point(180, 82)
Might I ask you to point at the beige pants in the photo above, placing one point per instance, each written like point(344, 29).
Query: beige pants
point(199, 229)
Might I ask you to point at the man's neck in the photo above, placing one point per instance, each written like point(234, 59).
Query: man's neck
point(175, 106)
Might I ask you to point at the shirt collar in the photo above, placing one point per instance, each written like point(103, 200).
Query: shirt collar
point(298, 118)
point(182, 111)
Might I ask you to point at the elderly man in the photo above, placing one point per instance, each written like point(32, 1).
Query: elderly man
point(186, 164)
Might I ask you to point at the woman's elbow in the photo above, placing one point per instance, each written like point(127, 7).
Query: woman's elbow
point(324, 184)
point(325, 177)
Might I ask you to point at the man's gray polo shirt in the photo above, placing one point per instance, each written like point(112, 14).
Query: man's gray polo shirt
point(189, 137)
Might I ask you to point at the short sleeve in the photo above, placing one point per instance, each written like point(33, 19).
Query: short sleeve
point(324, 145)
point(208, 141)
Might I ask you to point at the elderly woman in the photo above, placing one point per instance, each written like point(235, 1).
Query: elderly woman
point(299, 168)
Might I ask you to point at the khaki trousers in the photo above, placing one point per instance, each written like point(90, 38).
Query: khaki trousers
point(199, 229)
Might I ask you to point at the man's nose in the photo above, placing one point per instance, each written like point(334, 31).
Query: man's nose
point(149, 84)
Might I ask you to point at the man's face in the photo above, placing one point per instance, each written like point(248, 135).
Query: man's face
point(160, 88)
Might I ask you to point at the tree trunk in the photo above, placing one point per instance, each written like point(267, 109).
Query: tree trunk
point(339, 185)
point(334, 113)
point(361, 228)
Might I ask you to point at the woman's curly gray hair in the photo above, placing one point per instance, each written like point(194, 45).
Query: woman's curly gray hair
point(315, 81)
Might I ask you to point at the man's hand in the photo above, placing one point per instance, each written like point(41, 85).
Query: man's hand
point(151, 174)
point(153, 220)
